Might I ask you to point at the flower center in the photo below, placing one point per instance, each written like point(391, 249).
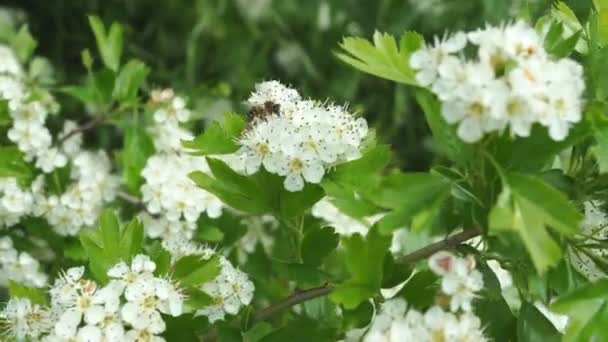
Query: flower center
point(296, 165)
point(262, 149)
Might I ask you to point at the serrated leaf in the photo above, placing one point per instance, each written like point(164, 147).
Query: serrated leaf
point(364, 259)
point(586, 310)
point(317, 244)
point(110, 45)
point(131, 77)
point(383, 58)
point(527, 207)
point(193, 270)
point(218, 138)
point(533, 326)
point(110, 233)
point(131, 240)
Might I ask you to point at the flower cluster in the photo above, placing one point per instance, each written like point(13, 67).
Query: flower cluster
point(396, 323)
point(19, 267)
point(167, 191)
point(512, 82)
point(593, 228)
point(295, 138)
point(230, 290)
point(79, 206)
point(128, 308)
point(169, 111)
point(14, 202)
point(459, 278)
point(28, 110)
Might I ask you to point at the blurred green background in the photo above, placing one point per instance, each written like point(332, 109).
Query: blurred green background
point(214, 51)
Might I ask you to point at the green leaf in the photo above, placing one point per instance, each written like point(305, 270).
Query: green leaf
point(23, 44)
point(131, 77)
point(193, 270)
point(446, 141)
point(364, 259)
point(586, 310)
point(317, 244)
point(420, 290)
point(5, 117)
point(422, 189)
point(110, 45)
point(257, 332)
point(218, 139)
point(138, 147)
point(12, 164)
point(131, 240)
point(384, 58)
point(533, 153)
point(238, 191)
point(110, 233)
point(196, 299)
point(357, 172)
point(35, 295)
point(527, 206)
point(99, 263)
point(394, 273)
point(533, 326)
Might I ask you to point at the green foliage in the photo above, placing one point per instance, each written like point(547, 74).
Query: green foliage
point(194, 270)
point(527, 206)
point(35, 295)
point(586, 309)
point(384, 58)
point(364, 259)
point(111, 243)
point(110, 44)
point(218, 139)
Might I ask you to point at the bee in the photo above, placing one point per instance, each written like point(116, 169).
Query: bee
point(263, 111)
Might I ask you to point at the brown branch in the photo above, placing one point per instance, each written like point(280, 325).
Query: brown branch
point(296, 298)
point(418, 255)
point(448, 243)
point(87, 126)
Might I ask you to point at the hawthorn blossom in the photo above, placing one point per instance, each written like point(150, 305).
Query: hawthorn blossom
point(300, 140)
point(460, 280)
point(513, 83)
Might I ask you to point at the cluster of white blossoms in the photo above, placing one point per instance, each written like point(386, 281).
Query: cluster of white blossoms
point(168, 193)
point(459, 280)
point(170, 112)
point(594, 228)
point(511, 83)
point(19, 267)
point(128, 308)
point(396, 323)
point(295, 138)
point(28, 111)
point(14, 202)
point(230, 291)
point(79, 207)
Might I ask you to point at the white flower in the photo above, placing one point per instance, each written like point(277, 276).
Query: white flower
point(141, 309)
point(428, 59)
point(230, 290)
point(9, 64)
point(460, 280)
point(50, 159)
point(26, 320)
point(512, 83)
point(299, 140)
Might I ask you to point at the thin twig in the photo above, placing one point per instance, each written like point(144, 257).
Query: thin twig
point(448, 243)
point(296, 298)
point(129, 198)
point(87, 126)
point(418, 255)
